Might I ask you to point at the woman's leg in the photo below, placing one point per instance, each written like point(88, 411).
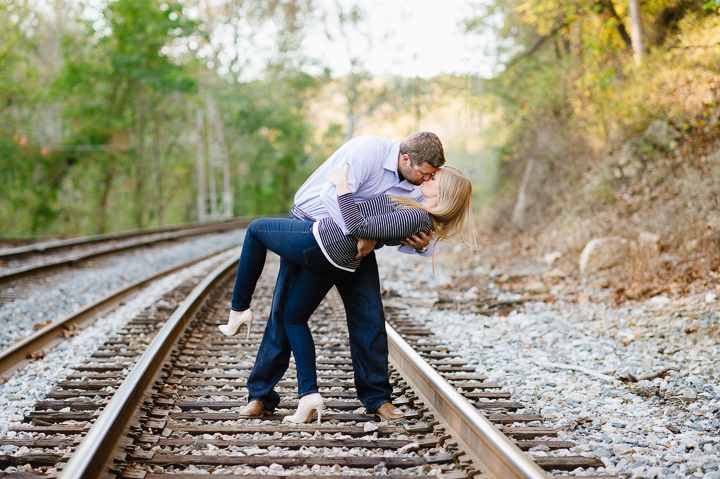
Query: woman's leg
point(288, 238)
point(309, 290)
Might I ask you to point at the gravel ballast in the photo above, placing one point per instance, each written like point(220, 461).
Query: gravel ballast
point(32, 383)
point(565, 361)
point(68, 290)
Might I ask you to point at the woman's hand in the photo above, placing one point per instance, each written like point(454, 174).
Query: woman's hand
point(338, 177)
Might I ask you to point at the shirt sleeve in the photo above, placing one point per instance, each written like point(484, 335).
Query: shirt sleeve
point(431, 249)
point(390, 227)
point(358, 173)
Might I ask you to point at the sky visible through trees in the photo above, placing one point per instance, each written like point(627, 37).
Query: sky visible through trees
point(100, 100)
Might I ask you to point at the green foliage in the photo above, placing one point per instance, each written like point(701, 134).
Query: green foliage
point(267, 121)
point(99, 133)
point(569, 64)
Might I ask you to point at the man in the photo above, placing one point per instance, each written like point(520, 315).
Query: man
point(376, 166)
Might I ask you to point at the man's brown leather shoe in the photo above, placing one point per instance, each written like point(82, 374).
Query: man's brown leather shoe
point(388, 412)
point(254, 410)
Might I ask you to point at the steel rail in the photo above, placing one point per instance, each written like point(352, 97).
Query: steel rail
point(120, 235)
point(16, 356)
point(19, 273)
point(477, 436)
point(95, 452)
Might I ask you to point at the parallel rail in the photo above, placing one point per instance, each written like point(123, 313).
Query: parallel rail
point(480, 439)
point(91, 458)
point(70, 260)
point(54, 245)
point(17, 355)
point(168, 401)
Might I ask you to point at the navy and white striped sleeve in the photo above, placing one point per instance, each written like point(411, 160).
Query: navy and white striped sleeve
point(400, 223)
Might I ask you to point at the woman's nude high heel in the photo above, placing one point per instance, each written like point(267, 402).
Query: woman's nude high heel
point(233, 326)
point(305, 411)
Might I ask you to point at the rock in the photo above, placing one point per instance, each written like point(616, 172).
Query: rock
point(659, 301)
point(254, 451)
point(626, 154)
point(537, 287)
point(690, 246)
point(471, 293)
point(554, 273)
point(655, 472)
point(199, 444)
point(632, 169)
point(646, 389)
point(602, 253)
point(660, 133)
point(649, 242)
point(413, 446)
point(689, 393)
point(370, 427)
point(710, 297)
point(550, 258)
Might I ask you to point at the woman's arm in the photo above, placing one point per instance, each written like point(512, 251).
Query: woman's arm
point(396, 225)
point(339, 178)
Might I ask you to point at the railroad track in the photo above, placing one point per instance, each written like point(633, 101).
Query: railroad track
point(160, 400)
point(33, 260)
point(46, 337)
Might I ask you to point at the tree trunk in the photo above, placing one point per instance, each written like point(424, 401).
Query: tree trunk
point(102, 207)
point(518, 215)
point(609, 6)
point(157, 183)
point(140, 203)
point(636, 30)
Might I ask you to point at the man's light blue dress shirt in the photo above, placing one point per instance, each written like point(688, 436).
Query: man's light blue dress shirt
point(373, 172)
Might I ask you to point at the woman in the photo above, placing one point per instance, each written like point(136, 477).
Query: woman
point(327, 255)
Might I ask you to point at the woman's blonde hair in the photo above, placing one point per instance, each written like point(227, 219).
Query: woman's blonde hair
point(454, 209)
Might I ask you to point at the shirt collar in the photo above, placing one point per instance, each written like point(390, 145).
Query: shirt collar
point(391, 161)
point(391, 164)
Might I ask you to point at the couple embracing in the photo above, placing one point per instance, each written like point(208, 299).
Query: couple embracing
point(371, 192)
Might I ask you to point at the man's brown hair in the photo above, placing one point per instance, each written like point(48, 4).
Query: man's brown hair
point(423, 147)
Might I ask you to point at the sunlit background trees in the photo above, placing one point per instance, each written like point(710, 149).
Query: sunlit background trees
point(100, 101)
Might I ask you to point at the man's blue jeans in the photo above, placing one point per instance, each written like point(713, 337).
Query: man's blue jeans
point(292, 240)
point(360, 292)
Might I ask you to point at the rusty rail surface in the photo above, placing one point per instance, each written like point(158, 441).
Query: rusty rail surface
point(90, 459)
point(23, 272)
point(17, 355)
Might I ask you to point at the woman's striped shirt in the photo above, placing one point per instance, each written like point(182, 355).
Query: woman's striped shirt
point(377, 218)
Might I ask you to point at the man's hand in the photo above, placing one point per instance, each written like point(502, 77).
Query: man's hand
point(419, 241)
point(365, 246)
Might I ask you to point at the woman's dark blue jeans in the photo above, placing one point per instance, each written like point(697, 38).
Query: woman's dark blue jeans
point(293, 240)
